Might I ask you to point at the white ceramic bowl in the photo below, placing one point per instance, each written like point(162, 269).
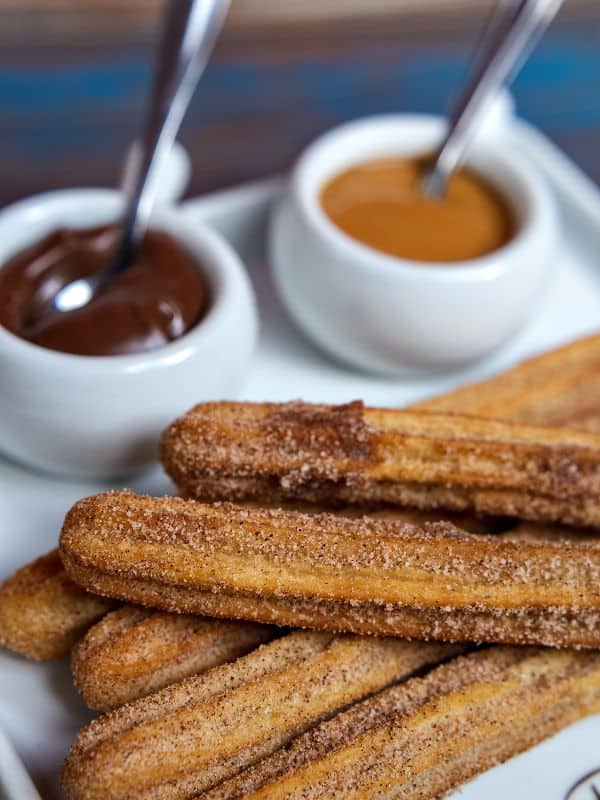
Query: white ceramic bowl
point(388, 315)
point(102, 416)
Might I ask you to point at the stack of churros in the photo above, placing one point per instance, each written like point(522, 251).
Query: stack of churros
point(343, 602)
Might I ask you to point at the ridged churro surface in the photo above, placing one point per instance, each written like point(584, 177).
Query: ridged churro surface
point(197, 733)
point(325, 571)
point(421, 739)
point(133, 651)
point(352, 454)
point(561, 387)
point(43, 613)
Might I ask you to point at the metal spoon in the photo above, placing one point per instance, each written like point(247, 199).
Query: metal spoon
point(189, 32)
point(513, 30)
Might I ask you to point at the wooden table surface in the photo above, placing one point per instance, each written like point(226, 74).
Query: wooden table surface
point(70, 101)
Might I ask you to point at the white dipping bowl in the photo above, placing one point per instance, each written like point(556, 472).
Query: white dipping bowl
point(390, 315)
point(101, 417)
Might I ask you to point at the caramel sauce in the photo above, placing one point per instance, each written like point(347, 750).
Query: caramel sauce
point(381, 204)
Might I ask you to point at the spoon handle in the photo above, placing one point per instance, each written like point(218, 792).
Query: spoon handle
point(189, 32)
point(514, 28)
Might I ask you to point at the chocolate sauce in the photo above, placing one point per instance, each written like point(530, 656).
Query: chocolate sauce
point(158, 299)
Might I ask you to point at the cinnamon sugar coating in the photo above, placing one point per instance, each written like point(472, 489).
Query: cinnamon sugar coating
point(133, 652)
point(364, 575)
point(560, 387)
point(351, 454)
point(201, 731)
point(43, 613)
point(421, 739)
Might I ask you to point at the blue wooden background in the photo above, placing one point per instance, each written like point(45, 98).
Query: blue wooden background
point(68, 112)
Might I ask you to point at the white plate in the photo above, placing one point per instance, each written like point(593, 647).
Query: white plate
point(15, 783)
point(40, 710)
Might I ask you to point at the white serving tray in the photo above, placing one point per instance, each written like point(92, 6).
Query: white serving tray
point(39, 708)
point(14, 780)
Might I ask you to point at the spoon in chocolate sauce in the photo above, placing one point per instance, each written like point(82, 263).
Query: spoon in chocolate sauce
point(513, 30)
point(189, 32)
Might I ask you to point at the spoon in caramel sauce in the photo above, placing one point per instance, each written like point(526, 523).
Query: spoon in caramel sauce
point(189, 32)
point(513, 30)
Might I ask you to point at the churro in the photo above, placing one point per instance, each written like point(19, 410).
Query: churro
point(201, 731)
point(43, 613)
point(423, 738)
point(561, 387)
point(132, 652)
point(323, 571)
point(536, 531)
point(355, 455)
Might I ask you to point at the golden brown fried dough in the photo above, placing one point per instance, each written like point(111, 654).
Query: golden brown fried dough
point(43, 613)
point(467, 522)
point(421, 739)
point(132, 652)
point(535, 531)
point(561, 387)
point(323, 571)
point(196, 733)
point(62, 612)
point(355, 455)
